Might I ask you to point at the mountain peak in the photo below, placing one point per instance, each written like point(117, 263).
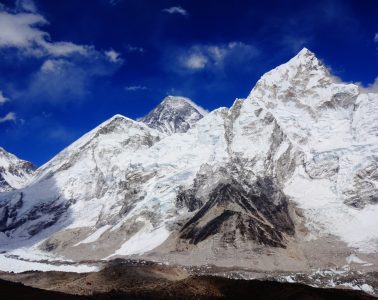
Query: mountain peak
point(174, 114)
point(14, 172)
point(305, 53)
point(307, 61)
point(302, 73)
point(182, 101)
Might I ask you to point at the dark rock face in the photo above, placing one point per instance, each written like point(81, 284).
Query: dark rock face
point(174, 114)
point(261, 216)
point(187, 198)
point(40, 216)
point(364, 190)
point(8, 214)
point(3, 183)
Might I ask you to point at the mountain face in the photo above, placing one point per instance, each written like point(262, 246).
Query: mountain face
point(14, 172)
point(174, 114)
point(284, 179)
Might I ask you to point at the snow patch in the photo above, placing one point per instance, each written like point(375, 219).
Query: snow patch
point(8, 264)
point(95, 235)
point(143, 241)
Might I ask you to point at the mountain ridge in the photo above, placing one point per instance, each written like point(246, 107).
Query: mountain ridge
point(291, 167)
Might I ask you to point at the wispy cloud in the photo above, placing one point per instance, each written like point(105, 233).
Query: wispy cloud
point(3, 99)
point(26, 5)
point(133, 88)
point(60, 133)
point(9, 117)
point(22, 31)
point(195, 61)
point(216, 57)
point(113, 56)
point(67, 68)
point(376, 37)
point(114, 2)
point(176, 10)
point(60, 80)
point(294, 44)
point(131, 48)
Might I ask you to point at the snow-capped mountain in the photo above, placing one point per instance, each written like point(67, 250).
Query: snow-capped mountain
point(285, 179)
point(174, 114)
point(14, 172)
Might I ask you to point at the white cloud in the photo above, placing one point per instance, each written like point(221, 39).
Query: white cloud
point(3, 99)
point(176, 10)
point(68, 70)
point(133, 88)
point(218, 56)
point(195, 61)
point(65, 48)
point(113, 56)
point(9, 117)
point(376, 38)
point(22, 31)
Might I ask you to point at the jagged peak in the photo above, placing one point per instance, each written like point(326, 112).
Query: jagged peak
point(302, 67)
point(182, 101)
point(8, 155)
point(305, 53)
point(307, 59)
point(174, 114)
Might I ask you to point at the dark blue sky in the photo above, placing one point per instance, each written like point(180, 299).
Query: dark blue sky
point(66, 66)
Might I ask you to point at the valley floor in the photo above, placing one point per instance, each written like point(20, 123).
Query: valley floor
point(129, 279)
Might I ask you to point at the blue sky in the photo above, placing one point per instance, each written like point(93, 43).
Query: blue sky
point(66, 66)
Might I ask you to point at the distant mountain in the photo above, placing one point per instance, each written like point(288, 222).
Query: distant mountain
point(286, 179)
point(174, 114)
point(14, 172)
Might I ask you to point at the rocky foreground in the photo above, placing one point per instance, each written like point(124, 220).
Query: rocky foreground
point(148, 280)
